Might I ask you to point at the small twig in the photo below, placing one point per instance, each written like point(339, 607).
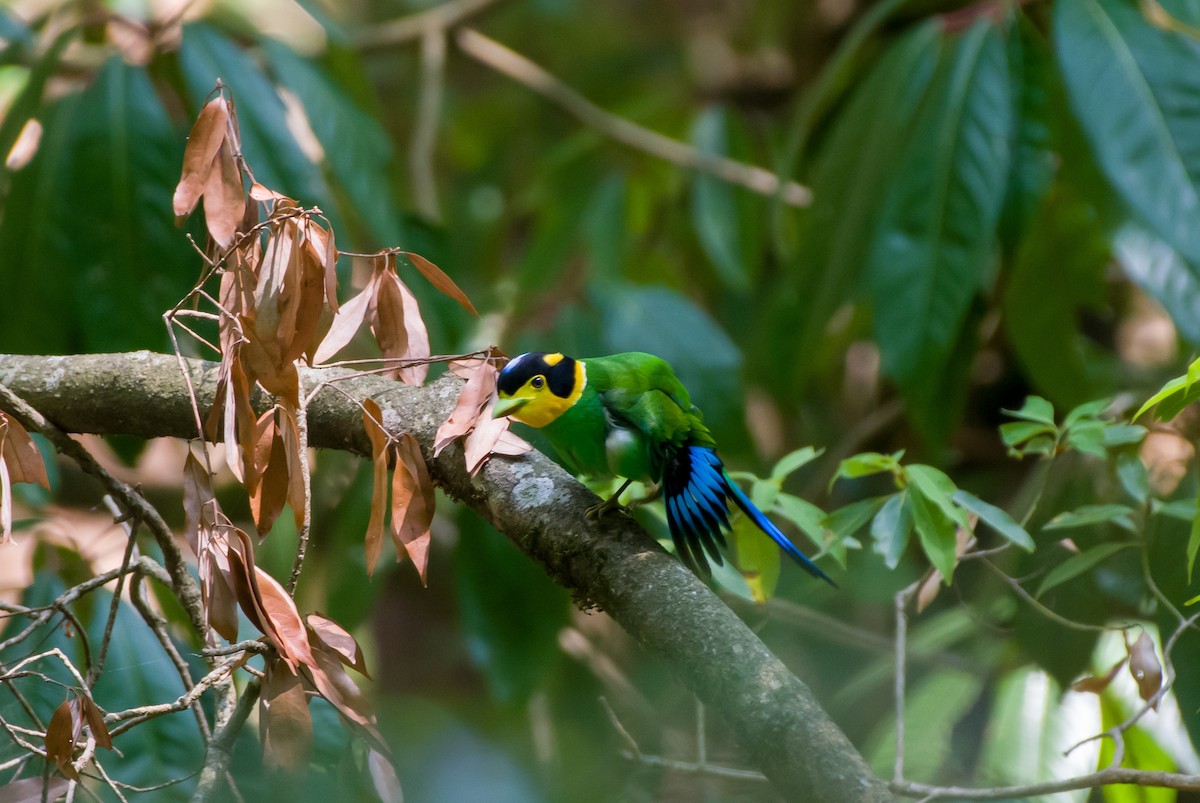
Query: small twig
point(220, 748)
point(414, 26)
point(250, 645)
point(900, 603)
point(491, 53)
point(130, 528)
point(306, 475)
point(429, 112)
point(182, 583)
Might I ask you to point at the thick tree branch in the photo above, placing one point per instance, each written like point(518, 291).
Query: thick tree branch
point(617, 566)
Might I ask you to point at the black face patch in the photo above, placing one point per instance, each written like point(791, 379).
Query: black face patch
point(560, 377)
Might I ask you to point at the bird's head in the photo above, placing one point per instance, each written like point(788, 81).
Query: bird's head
point(536, 388)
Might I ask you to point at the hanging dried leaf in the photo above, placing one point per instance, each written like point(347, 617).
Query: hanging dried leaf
point(483, 438)
point(1145, 667)
point(348, 320)
point(313, 316)
point(297, 490)
point(6, 510)
point(373, 423)
point(94, 718)
point(440, 280)
point(34, 790)
point(284, 625)
point(412, 503)
point(198, 158)
point(1097, 685)
point(511, 444)
point(399, 329)
point(332, 635)
point(329, 677)
point(198, 501)
point(267, 484)
point(61, 735)
point(20, 453)
point(477, 391)
point(383, 776)
point(224, 198)
point(285, 722)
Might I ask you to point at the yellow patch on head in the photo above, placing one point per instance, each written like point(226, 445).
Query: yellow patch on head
point(552, 359)
point(543, 406)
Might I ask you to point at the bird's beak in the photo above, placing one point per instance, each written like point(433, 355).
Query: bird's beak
point(505, 407)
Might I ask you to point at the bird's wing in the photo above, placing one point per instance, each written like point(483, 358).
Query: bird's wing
point(656, 414)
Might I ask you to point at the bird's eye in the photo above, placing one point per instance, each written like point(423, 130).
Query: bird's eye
point(538, 381)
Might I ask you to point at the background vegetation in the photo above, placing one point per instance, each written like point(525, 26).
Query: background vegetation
point(982, 202)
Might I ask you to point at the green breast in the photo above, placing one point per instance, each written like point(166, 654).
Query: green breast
point(578, 436)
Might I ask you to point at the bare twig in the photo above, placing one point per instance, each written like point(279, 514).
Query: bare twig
point(429, 112)
point(306, 475)
point(415, 26)
point(220, 748)
point(491, 53)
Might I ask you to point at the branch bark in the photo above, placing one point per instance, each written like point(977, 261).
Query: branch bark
point(617, 567)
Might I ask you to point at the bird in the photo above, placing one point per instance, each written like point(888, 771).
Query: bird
point(628, 415)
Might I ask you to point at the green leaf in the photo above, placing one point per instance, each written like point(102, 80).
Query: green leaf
point(1159, 270)
point(793, 461)
point(1134, 477)
point(1076, 565)
point(1034, 409)
point(939, 489)
point(1141, 752)
point(867, 463)
point(1180, 392)
point(758, 559)
point(848, 178)
point(1088, 411)
point(846, 521)
point(1087, 437)
point(1026, 437)
point(891, 528)
point(1193, 545)
point(716, 212)
point(996, 518)
point(1133, 89)
point(936, 531)
point(1123, 435)
point(1182, 509)
point(934, 243)
point(1041, 307)
point(1087, 515)
point(88, 239)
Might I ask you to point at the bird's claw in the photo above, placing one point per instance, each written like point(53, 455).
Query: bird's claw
point(596, 511)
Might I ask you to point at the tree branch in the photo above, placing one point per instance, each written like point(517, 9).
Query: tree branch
point(617, 567)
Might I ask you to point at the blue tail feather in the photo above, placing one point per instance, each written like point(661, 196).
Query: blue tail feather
point(698, 494)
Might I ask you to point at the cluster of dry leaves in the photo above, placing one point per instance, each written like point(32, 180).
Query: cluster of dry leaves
point(20, 461)
point(1144, 667)
point(277, 304)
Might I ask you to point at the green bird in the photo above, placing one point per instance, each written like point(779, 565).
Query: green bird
point(627, 415)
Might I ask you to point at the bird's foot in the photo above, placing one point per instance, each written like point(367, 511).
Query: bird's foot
point(596, 511)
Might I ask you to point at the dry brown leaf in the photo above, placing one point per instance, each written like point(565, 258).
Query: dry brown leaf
point(1145, 668)
point(330, 678)
point(483, 438)
point(285, 722)
point(297, 491)
point(268, 485)
point(348, 320)
point(94, 718)
point(399, 329)
point(61, 735)
point(475, 394)
point(199, 156)
point(510, 444)
point(264, 194)
point(313, 316)
point(412, 503)
point(18, 450)
point(199, 504)
point(34, 790)
point(373, 423)
point(437, 277)
point(1097, 685)
point(383, 776)
point(284, 620)
point(6, 506)
point(335, 637)
point(224, 198)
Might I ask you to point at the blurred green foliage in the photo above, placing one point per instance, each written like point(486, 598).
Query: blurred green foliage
point(1004, 206)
